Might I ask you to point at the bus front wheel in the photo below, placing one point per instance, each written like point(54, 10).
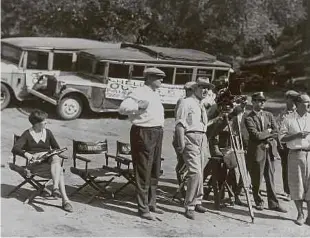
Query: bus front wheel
point(5, 96)
point(69, 108)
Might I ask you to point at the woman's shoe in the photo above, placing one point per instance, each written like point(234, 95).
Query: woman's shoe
point(56, 193)
point(300, 220)
point(67, 207)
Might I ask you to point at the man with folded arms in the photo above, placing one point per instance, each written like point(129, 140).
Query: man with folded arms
point(290, 108)
point(295, 132)
point(191, 142)
point(146, 112)
point(262, 151)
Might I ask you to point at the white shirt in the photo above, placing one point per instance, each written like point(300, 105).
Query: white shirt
point(192, 115)
point(152, 116)
point(292, 124)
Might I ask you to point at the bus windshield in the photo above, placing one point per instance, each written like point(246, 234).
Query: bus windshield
point(10, 54)
point(84, 64)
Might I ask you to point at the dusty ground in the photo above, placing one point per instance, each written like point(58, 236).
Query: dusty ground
point(109, 217)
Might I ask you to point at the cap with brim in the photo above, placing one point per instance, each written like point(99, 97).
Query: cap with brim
point(303, 98)
point(291, 93)
point(154, 72)
point(189, 85)
point(204, 82)
point(259, 96)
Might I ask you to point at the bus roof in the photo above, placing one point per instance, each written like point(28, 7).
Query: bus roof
point(176, 56)
point(172, 53)
point(58, 43)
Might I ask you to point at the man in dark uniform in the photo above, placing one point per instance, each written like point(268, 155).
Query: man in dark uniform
point(263, 132)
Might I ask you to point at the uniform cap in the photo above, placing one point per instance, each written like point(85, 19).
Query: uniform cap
point(258, 96)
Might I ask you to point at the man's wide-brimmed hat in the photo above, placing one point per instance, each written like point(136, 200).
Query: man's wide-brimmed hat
point(258, 96)
point(204, 82)
point(154, 72)
point(189, 85)
point(291, 93)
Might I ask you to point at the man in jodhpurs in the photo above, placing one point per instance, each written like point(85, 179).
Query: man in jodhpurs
point(191, 139)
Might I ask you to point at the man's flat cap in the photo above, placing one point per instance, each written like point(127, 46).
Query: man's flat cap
point(258, 96)
point(189, 85)
point(303, 98)
point(155, 72)
point(291, 93)
point(204, 82)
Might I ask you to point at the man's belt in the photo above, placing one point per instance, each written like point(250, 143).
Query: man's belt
point(195, 132)
point(298, 150)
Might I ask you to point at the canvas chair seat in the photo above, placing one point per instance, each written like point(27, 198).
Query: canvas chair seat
point(97, 172)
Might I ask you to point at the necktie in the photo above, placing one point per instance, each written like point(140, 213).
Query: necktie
point(261, 119)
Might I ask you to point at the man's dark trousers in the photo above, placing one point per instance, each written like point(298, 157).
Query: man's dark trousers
point(146, 145)
point(264, 168)
point(284, 155)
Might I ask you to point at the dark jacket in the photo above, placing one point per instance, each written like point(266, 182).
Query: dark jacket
point(259, 136)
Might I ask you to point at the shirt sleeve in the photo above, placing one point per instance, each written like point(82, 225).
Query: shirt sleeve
point(181, 114)
point(19, 145)
point(53, 142)
point(284, 128)
point(130, 104)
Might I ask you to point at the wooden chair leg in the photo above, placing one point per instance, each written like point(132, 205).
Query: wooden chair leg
point(17, 187)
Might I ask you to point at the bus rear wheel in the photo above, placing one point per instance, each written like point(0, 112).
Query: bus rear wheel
point(5, 98)
point(69, 108)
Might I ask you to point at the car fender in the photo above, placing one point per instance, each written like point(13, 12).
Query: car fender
point(68, 91)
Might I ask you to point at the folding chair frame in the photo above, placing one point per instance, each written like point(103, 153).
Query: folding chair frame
point(40, 185)
point(91, 178)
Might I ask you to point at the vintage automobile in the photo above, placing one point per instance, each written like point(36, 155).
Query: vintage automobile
point(27, 61)
point(105, 76)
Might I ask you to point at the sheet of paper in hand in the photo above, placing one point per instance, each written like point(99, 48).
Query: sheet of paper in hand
point(44, 156)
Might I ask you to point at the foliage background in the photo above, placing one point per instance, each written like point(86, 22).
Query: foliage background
point(235, 28)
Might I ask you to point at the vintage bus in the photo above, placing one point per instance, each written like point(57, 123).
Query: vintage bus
point(105, 76)
point(25, 59)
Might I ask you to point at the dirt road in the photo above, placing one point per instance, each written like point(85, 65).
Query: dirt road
point(109, 217)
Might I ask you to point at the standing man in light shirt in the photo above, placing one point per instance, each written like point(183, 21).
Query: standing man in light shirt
point(180, 167)
point(290, 108)
point(295, 132)
point(146, 112)
point(191, 139)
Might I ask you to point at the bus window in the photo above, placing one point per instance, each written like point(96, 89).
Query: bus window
point(62, 61)
point(84, 64)
point(118, 70)
point(137, 72)
point(100, 68)
point(220, 74)
point(183, 75)
point(37, 60)
point(169, 74)
point(11, 54)
point(204, 73)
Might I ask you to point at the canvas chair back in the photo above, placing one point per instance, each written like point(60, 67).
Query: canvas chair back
point(89, 148)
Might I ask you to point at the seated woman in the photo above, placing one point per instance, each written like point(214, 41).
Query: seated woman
point(32, 144)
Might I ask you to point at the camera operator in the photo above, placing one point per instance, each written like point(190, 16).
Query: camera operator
point(232, 107)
